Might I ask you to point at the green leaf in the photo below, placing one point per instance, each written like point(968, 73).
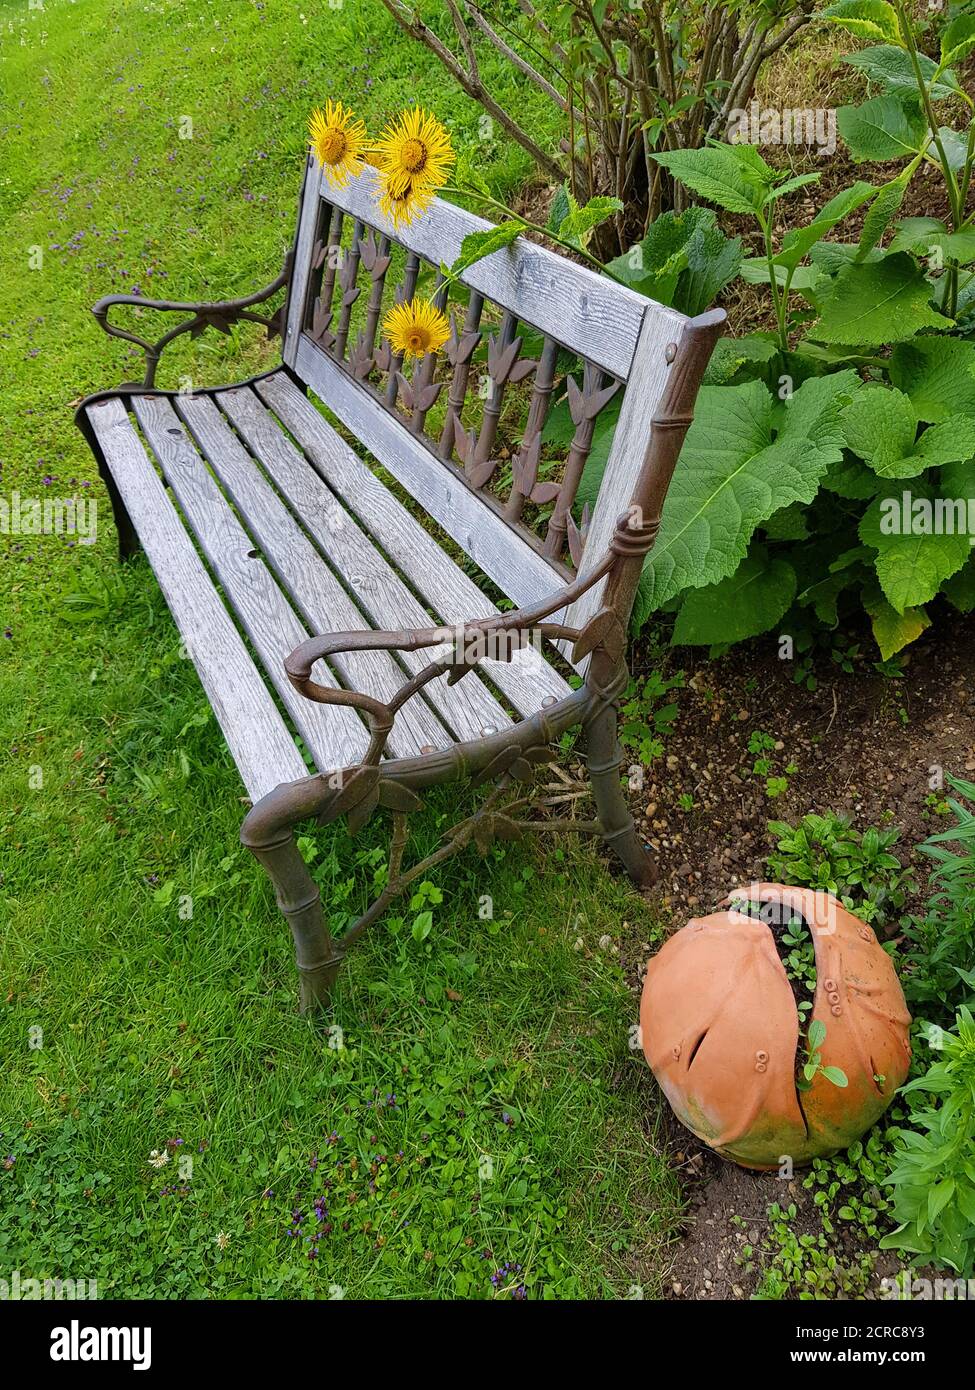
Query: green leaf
point(880, 214)
point(748, 602)
point(797, 243)
point(928, 236)
point(685, 261)
point(938, 373)
point(833, 257)
point(960, 247)
point(834, 356)
point(918, 234)
point(939, 1196)
point(835, 1074)
point(880, 425)
point(789, 524)
point(477, 245)
point(958, 40)
point(868, 19)
point(654, 265)
point(887, 127)
point(955, 145)
point(892, 630)
point(713, 261)
point(559, 209)
point(755, 271)
point(906, 1237)
point(731, 354)
point(750, 161)
point(881, 302)
point(782, 190)
point(422, 925)
point(163, 896)
point(892, 69)
point(713, 172)
point(965, 1200)
point(817, 1034)
point(959, 590)
point(953, 441)
point(852, 479)
point(578, 227)
point(814, 412)
point(734, 472)
point(911, 565)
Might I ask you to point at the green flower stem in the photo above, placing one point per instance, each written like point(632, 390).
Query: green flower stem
point(780, 297)
point(956, 203)
point(925, 96)
point(966, 182)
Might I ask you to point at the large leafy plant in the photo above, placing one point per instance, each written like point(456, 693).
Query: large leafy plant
point(789, 499)
point(939, 947)
point(933, 1176)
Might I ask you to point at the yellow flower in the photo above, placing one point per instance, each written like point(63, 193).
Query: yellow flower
point(338, 140)
point(415, 151)
point(400, 202)
point(416, 328)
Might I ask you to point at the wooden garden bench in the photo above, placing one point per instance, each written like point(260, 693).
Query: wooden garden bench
point(265, 528)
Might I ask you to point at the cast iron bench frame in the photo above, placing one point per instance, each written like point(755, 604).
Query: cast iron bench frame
point(573, 588)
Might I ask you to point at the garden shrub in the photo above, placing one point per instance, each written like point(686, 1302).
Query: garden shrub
point(829, 466)
point(939, 958)
point(933, 1177)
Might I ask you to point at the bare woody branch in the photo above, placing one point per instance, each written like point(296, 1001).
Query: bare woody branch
point(515, 58)
point(469, 78)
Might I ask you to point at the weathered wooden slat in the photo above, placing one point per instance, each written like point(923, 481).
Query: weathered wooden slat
point(334, 734)
point(304, 247)
point(505, 556)
point(317, 592)
point(586, 312)
point(260, 743)
point(651, 367)
point(468, 707)
point(450, 593)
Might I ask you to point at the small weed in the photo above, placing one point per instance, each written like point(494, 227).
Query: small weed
point(644, 721)
point(826, 853)
point(762, 745)
point(811, 1065)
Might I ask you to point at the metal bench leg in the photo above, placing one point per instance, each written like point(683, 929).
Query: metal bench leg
point(604, 759)
point(267, 833)
point(128, 541)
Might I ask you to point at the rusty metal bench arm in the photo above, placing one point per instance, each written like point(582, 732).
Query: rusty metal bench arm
point(218, 314)
point(468, 641)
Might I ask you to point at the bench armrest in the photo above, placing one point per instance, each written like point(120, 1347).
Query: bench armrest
point(498, 637)
point(218, 314)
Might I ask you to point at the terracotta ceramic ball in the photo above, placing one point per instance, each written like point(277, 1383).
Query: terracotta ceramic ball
point(720, 1029)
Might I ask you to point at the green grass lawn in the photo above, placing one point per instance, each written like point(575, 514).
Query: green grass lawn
point(470, 1119)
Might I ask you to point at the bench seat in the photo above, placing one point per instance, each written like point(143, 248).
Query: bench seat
point(272, 517)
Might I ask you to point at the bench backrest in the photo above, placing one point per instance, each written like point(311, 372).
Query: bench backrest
point(581, 335)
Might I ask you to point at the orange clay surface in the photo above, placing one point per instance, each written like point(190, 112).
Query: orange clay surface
point(720, 1028)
